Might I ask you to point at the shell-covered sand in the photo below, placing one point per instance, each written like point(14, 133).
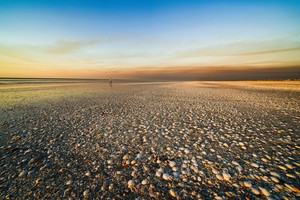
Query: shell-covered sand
point(177, 140)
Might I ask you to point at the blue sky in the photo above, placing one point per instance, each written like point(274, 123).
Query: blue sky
point(98, 37)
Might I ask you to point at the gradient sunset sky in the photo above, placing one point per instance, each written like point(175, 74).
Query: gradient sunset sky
point(149, 38)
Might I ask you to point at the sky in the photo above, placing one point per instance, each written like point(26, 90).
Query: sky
point(150, 39)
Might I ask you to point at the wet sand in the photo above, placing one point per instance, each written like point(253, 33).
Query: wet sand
point(181, 140)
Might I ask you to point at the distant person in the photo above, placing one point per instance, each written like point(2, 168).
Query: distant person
point(110, 83)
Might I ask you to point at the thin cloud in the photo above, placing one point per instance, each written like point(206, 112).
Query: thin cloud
point(271, 51)
point(64, 47)
point(277, 45)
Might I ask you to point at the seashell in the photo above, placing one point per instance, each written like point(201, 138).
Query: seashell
point(219, 177)
point(186, 151)
point(23, 173)
point(172, 193)
point(226, 176)
point(167, 177)
point(275, 174)
point(247, 184)
point(86, 193)
point(264, 191)
point(255, 191)
point(254, 165)
point(275, 180)
point(235, 163)
point(145, 182)
point(172, 163)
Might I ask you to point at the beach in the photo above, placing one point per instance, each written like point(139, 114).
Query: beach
point(76, 139)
